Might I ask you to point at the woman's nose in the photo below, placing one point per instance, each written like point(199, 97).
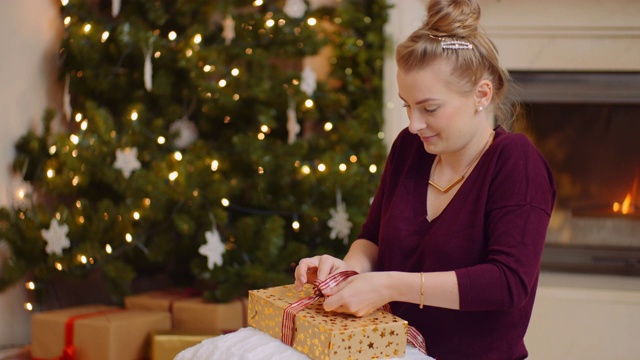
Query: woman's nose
point(416, 124)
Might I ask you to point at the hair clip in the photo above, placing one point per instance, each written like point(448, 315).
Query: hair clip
point(448, 42)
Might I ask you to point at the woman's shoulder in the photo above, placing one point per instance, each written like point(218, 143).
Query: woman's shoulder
point(518, 166)
point(515, 146)
point(516, 153)
point(509, 140)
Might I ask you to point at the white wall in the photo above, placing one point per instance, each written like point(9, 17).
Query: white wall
point(584, 35)
point(405, 16)
point(29, 42)
point(585, 317)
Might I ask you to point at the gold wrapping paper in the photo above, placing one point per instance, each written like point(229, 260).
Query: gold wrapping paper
point(165, 345)
point(196, 315)
point(322, 335)
point(120, 335)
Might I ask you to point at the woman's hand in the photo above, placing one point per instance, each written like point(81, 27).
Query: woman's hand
point(361, 257)
point(359, 295)
point(318, 267)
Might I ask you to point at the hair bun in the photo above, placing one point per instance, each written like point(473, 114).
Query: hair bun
point(457, 18)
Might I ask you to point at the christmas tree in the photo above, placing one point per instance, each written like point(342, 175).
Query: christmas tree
point(197, 141)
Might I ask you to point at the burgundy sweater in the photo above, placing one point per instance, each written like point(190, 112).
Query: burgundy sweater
point(491, 234)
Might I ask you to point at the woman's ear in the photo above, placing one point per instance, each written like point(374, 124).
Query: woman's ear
point(484, 93)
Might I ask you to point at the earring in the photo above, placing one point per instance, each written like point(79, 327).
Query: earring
point(480, 109)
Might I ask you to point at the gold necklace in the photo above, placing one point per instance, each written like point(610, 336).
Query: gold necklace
point(445, 190)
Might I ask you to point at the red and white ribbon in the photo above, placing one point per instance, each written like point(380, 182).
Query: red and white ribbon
point(414, 337)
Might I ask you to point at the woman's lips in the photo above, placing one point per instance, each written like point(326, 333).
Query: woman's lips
point(427, 138)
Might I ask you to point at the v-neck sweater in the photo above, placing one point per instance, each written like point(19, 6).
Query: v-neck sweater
point(491, 234)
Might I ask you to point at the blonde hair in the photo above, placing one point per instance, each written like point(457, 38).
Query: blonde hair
point(458, 19)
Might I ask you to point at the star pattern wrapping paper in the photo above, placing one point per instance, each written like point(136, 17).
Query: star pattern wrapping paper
point(323, 335)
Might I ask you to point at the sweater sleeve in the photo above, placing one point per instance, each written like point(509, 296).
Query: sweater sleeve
point(371, 227)
point(520, 199)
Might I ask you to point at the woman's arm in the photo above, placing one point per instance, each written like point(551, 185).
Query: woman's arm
point(436, 288)
point(362, 256)
point(361, 294)
point(430, 288)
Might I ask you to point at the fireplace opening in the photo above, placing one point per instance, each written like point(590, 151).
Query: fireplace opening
point(587, 125)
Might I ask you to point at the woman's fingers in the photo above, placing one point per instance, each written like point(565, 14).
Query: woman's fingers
point(306, 268)
point(326, 266)
point(339, 304)
point(354, 296)
point(317, 268)
point(334, 299)
point(335, 289)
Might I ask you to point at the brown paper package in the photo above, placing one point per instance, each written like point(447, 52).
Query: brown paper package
point(155, 300)
point(119, 335)
point(198, 316)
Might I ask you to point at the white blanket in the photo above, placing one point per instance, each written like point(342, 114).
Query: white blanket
point(250, 344)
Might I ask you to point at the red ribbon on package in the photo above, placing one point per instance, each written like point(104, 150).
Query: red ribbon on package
point(69, 350)
point(288, 317)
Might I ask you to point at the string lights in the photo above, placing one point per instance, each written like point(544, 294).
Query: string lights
point(219, 86)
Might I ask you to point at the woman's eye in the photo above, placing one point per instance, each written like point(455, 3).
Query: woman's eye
point(431, 110)
point(405, 105)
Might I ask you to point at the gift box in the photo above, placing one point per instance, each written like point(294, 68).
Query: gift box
point(165, 345)
point(327, 335)
point(95, 332)
point(199, 316)
point(157, 300)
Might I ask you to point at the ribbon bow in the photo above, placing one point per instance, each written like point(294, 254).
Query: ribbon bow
point(288, 317)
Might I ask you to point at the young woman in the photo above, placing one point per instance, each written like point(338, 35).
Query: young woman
point(454, 236)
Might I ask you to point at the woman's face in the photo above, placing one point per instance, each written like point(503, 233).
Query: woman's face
point(445, 119)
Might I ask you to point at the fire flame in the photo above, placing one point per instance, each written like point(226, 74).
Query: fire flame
point(628, 205)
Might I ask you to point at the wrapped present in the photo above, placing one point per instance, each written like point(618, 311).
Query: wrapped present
point(326, 335)
point(95, 332)
point(162, 300)
point(197, 315)
point(165, 345)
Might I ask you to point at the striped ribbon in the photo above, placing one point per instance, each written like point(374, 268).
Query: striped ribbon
point(414, 337)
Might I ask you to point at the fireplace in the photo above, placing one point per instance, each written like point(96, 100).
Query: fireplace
point(587, 125)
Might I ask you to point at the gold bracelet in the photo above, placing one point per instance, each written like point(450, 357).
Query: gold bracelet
point(421, 289)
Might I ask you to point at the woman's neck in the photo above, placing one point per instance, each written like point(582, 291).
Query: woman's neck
point(453, 165)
